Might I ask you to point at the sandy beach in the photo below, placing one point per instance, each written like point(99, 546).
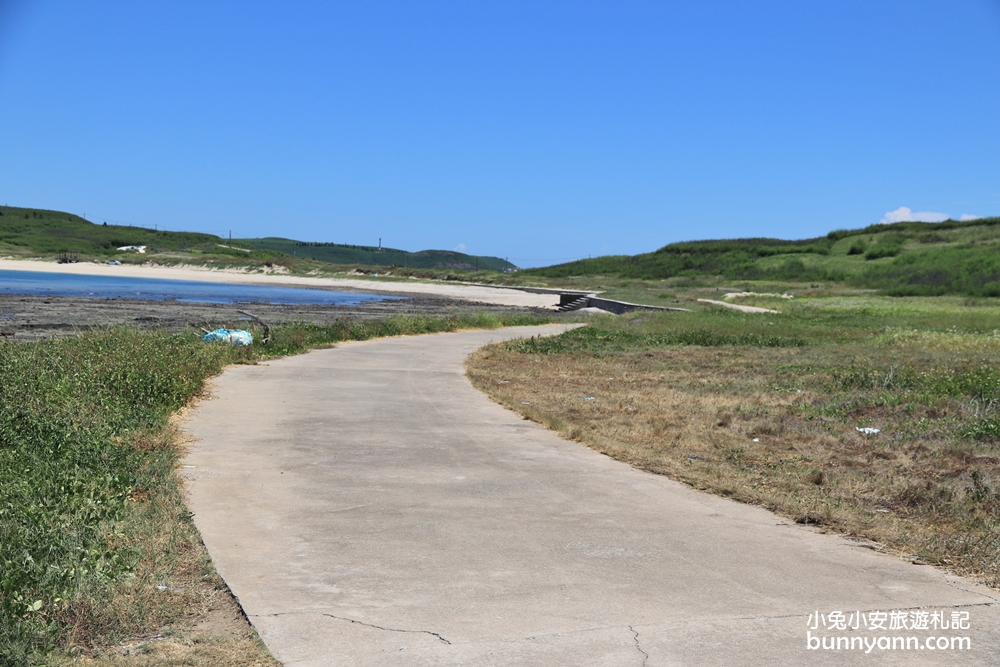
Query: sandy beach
point(25, 318)
point(499, 296)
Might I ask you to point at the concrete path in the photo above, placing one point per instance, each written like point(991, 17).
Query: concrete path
point(368, 507)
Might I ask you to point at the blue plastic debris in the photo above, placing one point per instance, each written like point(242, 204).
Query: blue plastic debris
point(235, 337)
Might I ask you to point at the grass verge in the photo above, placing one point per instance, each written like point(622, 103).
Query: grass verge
point(100, 560)
point(766, 409)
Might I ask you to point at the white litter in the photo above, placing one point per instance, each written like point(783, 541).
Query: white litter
point(161, 587)
point(756, 439)
point(866, 430)
point(588, 398)
point(235, 337)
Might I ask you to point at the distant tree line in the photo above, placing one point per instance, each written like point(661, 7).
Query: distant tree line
point(323, 244)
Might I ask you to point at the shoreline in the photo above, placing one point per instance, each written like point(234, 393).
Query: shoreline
point(501, 296)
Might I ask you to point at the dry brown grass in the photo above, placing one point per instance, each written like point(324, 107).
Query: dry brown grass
point(218, 635)
point(762, 426)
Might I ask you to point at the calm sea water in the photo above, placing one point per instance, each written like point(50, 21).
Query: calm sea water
point(37, 283)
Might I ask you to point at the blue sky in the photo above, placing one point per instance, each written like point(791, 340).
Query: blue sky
point(542, 131)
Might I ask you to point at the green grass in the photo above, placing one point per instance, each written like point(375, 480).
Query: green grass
point(87, 469)
point(599, 341)
point(69, 410)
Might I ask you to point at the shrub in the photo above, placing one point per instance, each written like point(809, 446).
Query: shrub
point(888, 245)
point(858, 247)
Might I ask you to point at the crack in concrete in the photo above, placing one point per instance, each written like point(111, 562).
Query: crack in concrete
point(966, 590)
point(645, 656)
point(351, 620)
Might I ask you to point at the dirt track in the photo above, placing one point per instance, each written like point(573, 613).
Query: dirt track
point(25, 318)
point(738, 306)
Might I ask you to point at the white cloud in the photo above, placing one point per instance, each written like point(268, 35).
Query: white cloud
point(459, 248)
point(968, 216)
point(904, 214)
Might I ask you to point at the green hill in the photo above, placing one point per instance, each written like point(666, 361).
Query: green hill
point(342, 253)
point(30, 232)
point(905, 258)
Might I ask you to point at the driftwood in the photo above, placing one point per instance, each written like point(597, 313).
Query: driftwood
point(267, 329)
